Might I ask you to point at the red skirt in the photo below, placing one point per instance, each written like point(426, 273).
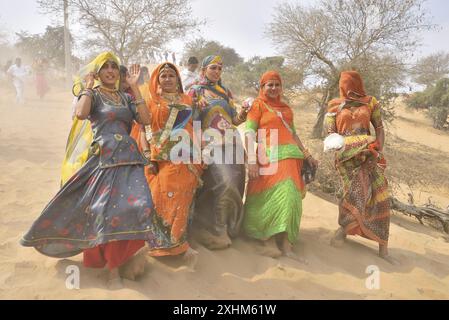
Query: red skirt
point(112, 254)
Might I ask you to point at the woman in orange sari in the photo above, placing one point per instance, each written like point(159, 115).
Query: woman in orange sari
point(171, 175)
point(276, 188)
point(365, 207)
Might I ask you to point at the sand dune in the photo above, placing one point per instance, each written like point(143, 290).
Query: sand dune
point(32, 140)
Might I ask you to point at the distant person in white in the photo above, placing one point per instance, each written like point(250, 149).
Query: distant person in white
point(190, 76)
point(17, 72)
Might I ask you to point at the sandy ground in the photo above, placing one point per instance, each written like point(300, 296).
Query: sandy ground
point(413, 126)
point(32, 141)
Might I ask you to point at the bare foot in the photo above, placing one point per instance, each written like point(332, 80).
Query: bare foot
point(270, 248)
point(391, 260)
point(114, 280)
point(339, 238)
point(287, 250)
point(135, 266)
point(383, 253)
point(212, 241)
point(191, 258)
point(294, 256)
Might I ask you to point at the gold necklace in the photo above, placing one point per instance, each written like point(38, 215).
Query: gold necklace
point(171, 97)
point(111, 94)
point(108, 89)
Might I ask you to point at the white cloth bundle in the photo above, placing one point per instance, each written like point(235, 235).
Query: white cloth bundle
point(334, 142)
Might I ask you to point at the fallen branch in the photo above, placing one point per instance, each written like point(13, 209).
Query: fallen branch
point(422, 212)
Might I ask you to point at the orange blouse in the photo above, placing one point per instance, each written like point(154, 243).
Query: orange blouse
point(354, 120)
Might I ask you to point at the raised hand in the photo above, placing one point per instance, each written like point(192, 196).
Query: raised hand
point(133, 75)
point(89, 79)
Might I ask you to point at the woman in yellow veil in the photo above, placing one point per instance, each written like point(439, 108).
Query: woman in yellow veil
point(80, 136)
point(104, 209)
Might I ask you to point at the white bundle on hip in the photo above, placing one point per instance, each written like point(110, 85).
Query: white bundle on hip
point(334, 142)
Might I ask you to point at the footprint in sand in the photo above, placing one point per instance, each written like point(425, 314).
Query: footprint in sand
point(432, 294)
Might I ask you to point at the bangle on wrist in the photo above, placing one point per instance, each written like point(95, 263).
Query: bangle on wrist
point(242, 117)
point(86, 92)
point(252, 160)
point(139, 101)
point(306, 154)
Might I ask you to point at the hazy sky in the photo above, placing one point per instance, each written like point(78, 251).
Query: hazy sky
point(239, 24)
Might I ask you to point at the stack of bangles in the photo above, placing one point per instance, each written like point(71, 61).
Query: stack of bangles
point(306, 153)
point(242, 116)
point(87, 92)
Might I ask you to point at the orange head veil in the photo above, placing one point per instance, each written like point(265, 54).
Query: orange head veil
point(351, 89)
point(267, 76)
point(155, 89)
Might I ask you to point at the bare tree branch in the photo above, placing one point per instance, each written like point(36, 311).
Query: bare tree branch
point(133, 29)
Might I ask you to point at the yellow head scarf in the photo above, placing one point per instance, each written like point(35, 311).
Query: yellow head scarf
point(94, 66)
point(81, 136)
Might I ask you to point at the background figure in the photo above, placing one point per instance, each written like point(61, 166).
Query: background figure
point(166, 56)
point(17, 72)
point(40, 69)
point(173, 57)
point(144, 76)
point(7, 66)
point(190, 75)
point(123, 85)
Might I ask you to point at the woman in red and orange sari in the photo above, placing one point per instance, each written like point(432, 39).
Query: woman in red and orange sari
point(171, 175)
point(365, 207)
point(276, 188)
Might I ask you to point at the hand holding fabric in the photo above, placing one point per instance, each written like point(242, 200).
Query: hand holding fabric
point(253, 171)
point(382, 163)
point(202, 102)
point(247, 104)
point(374, 148)
point(153, 168)
point(89, 79)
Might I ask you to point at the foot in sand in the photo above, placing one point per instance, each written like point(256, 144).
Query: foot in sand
point(190, 257)
point(135, 266)
point(294, 256)
point(212, 241)
point(287, 250)
point(270, 249)
point(383, 253)
point(391, 260)
point(339, 238)
point(114, 280)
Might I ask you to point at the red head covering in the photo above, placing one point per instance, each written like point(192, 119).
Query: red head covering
point(270, 75)
point(154, 80)
point(351, 88)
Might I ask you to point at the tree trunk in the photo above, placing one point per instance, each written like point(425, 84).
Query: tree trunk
point(422, 212)
point(317, 132)
point(67, 46)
